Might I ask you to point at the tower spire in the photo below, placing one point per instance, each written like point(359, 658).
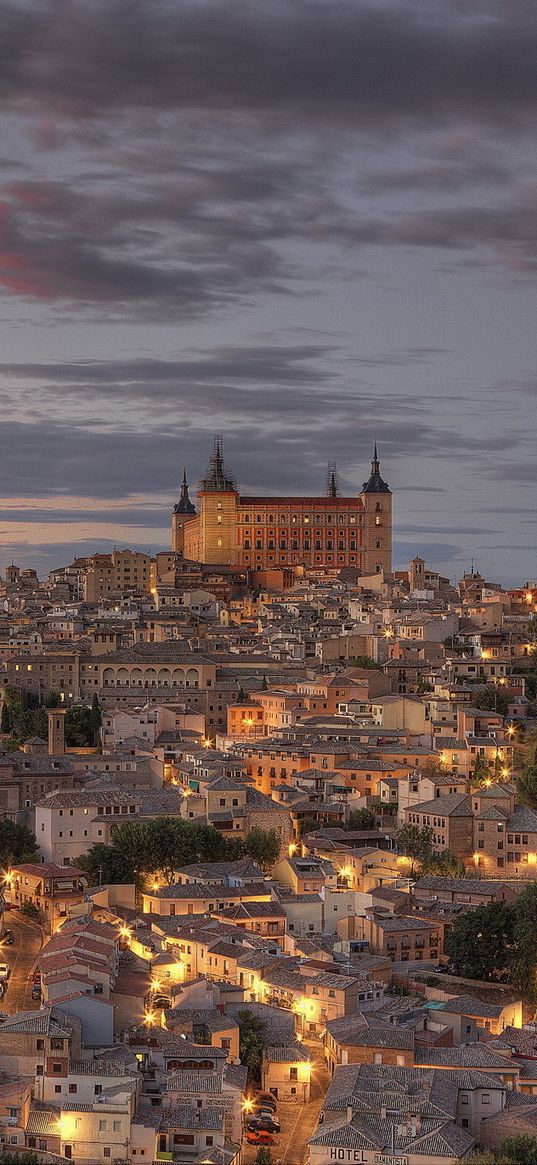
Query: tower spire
point(332, 485)
point(217, 479)
point(184, 505)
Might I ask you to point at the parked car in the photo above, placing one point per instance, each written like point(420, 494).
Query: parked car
point(270, 1124)
point(265, 1098)
point(8, 939)
point(259, 1137)
point(4, 971)
point(36, 991)
point(161, 1001)
point(264, 1106)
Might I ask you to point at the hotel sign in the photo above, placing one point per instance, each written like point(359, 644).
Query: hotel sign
point(361, 1157)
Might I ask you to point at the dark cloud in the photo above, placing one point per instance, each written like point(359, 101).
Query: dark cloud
point(374, 65)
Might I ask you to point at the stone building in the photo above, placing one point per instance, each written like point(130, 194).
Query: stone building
point(268, 533)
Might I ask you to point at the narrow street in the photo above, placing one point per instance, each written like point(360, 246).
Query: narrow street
point(298, 1121)
point(21, 958)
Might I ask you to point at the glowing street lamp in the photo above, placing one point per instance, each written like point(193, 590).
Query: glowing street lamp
point(149, 1019)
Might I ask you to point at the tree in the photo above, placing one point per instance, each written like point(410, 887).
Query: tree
point(361, 819)
point(482, 1157)
point(526, 786)
point(159, 846)
point(480, 941)
point(517, 1151)
point(96, 719)
point(524, 953)
point(5, 720)
point(263, 1156)
point(23, 1158)
point(264, 685)
point(17, 844)
point(365, 661)
point(252, 1043)
point(481, 770)
point(444, 864)
point(31, 911)
point(264, 846)
point(492, 699)
point(105, 865)
point(79, 731)
point(415, 843)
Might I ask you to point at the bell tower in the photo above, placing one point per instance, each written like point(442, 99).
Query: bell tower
point(376, 498)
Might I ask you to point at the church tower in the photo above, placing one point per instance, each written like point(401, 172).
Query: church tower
point(376, 498)
point(182, 512)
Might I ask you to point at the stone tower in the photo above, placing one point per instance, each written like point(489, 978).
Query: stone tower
point(182, 511)
point(217, 520)
point(376, 498)
point(416, 574)
point(56, 731)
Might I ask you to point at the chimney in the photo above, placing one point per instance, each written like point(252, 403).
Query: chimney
point(56, 731)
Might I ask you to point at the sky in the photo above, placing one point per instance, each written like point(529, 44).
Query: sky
point(305, 225)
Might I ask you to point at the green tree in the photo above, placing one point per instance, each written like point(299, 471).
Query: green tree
point(105, 865)
point(17, 844)
point(482, 1157)
point(517, 1151)
point(524, 953)
point(263, 845)
point(5, 720)
point(416, 844)
point(365, 661)
point(79, 731)
point(492, 699)
point(31, 911)
point(526, 786)
point(24, 1158)
point(444, 864)
point(263, 1156)
point(481, 770)
point(480, 941)
point(361, 819)
point(264, 685)
point(96, 719)
point(252, 1043)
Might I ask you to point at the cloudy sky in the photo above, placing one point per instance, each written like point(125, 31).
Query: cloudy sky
point(305, 225)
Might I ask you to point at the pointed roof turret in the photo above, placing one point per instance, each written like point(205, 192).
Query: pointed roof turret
point(375, 484)
point(184, 505)
point(216, 479)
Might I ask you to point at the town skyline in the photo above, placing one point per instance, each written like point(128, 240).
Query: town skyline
point(332, 247)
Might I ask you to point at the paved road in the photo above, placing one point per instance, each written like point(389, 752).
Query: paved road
point(298, 1121)
point(21, 958)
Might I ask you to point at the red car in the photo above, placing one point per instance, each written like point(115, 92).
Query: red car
point(259, 1137)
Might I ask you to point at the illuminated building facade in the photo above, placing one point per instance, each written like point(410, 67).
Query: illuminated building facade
point(269, 533)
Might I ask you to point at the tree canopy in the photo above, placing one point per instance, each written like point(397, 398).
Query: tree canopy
point(492, 699)
point(416, 844)
point(252, 1042)
point(17, 844)
point(361, 819)
point(480, 942)
point(264, 846)
point(161, 846)
point(521, 1150)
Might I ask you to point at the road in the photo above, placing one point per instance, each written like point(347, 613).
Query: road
point(298, 1121)
point(21, 958)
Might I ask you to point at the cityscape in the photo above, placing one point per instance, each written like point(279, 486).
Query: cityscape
point(268, 582)
point(269, 845)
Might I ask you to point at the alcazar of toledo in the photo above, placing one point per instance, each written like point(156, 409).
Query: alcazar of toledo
point(270, 533)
